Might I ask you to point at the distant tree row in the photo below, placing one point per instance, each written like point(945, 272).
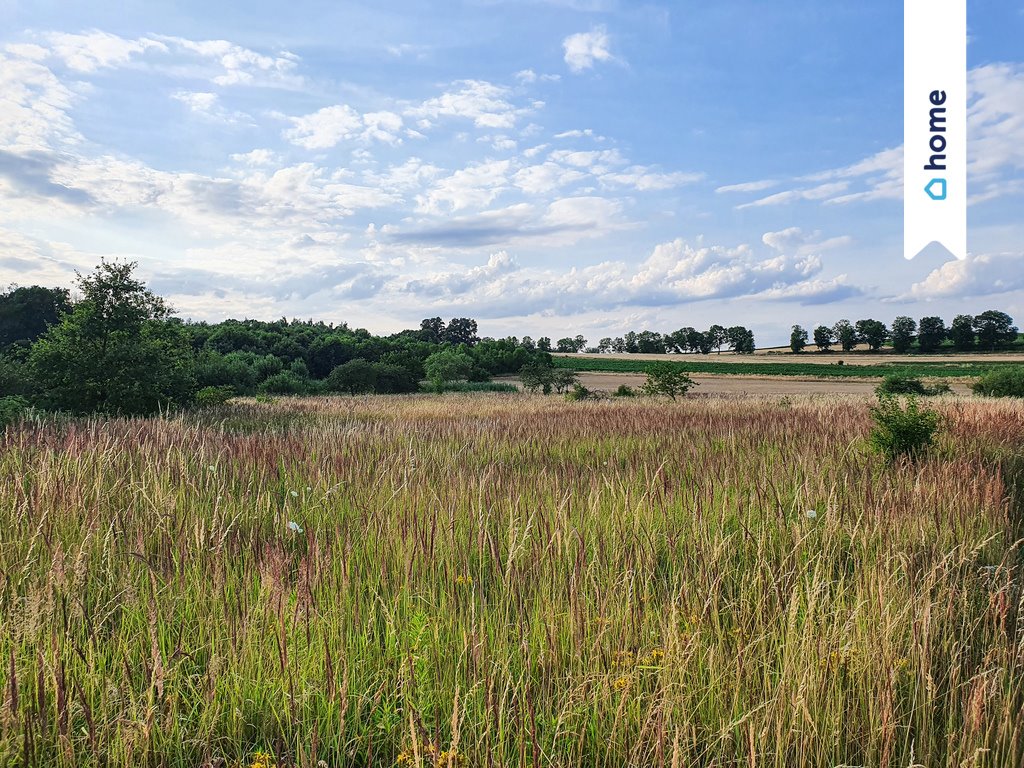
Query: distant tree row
point(988, 331)
point(686, 340)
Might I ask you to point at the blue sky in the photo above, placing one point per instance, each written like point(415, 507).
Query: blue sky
point(547, 166)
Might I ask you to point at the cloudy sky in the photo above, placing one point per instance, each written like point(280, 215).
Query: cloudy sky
point(549, 167)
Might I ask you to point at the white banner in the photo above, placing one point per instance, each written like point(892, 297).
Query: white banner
point(935, 126)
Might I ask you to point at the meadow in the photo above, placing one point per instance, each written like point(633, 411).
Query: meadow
point(850, 369)
point(511, 580)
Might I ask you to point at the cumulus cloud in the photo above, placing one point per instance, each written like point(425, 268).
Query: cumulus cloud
point(981, 275)
point(94, 50)
point(329, 126)
point(485, 104)
point(475, 186)
point(583, 49)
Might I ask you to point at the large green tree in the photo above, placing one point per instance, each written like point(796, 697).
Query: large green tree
point(115, 352)
point(903, 330)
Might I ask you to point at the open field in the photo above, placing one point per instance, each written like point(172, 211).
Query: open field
point(784, 355)
point(507, 580)
point(739, 365)
point(712, 384)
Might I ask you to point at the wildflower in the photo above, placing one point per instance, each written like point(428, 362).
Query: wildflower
point(294, 527)
point(262, 760)
point(811, 514)
point(655, 656)
point(308, 488)
point(464, 581)
point(211, 468)
point(403, 758)
point(295, 493)
point(621, 684)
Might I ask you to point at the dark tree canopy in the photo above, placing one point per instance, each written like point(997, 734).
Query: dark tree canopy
point(26, 313)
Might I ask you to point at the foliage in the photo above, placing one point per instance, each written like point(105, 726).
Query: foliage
point(26, 313)
point(114, 352)
point(823, 338)
point(1002, 382)
point(899, 430)
point(994, 329)
point(666, 379)
point(931, 333)
point(474, 386)
point(624, 390)
point(873, 333)
point(845, 334)
point(537, 377)
point(798, 339)
point(354, 377)
point(12, 408)
point(962, 333)
point(579, 392)
point(903, 330)
point(447, 365)
point(211, 397)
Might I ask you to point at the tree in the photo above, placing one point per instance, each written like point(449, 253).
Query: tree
point(823, 338)
point(845, 334)
point(535, 376)
point(355, 377)
point(432, 330)
point(931, 333)
point(26, 313)
point(798, 339)
point(701, 343)
point(961, 333)
point(873, 333)
point(650, 343)
point(115, 352)
point(666, 379)
point(903, 330)
point(563, 379)
point(461, 330)
point(605, 345)
point(544, 344)
point(716, 337)
point(741, 340)
point(994, 328)
point(447, 365)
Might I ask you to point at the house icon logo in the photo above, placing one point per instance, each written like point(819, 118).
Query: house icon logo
point(936, 189)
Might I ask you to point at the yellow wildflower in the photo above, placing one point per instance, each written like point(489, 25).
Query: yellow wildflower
point(621, 684)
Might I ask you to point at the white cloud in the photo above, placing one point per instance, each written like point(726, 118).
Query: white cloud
point(486, 104)
point(475, 186)
point(749, 186)
point(585, 48)
point(982, 275)
point(819, 192)
point(329, 126)
point(544, 178)
point(34, 106)
point(645, 179)
point(98, 50)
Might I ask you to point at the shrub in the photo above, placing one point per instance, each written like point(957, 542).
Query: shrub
point(12, 408)
point(624, 391)
point(902, 431)
point(667, 379)
point(355, 377)
point(284, 383)
point(898, 384)
point(470, 386)
point(579, 392)
point(1004, 382)
point(211, 397)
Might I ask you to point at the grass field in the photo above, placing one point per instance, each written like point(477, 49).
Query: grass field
point(783, 367)
point(506, 580)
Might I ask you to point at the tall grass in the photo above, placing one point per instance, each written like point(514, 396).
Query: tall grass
point(505, 580)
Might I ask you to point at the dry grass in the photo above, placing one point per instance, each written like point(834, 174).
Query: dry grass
point(511, 581)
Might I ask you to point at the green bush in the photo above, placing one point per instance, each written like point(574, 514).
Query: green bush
point(12, 408)
point(579, 392)
point(284, 383)
point(898, 384)
point(470, 386)
point(902, 431)
point(624, 390)
point(211, 397)
point(1004, 382)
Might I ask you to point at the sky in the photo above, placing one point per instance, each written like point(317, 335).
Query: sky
point(548, 167)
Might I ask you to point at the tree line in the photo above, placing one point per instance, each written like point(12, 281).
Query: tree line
point(119, 349)
point(991, 330)
point(737, 339)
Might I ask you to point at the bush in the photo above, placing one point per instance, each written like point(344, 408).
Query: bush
point(898, 384)
point(284, 383)
point(624, 391)
point(579, 392)
point(900, 431)
point(211, 397)
point(1003, 382)
point(471, 386)
point(12, 409)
